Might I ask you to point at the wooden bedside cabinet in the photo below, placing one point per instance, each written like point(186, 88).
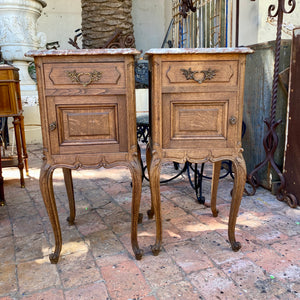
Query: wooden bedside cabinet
point(196, 111)
point(88, 116)
point(11, 106)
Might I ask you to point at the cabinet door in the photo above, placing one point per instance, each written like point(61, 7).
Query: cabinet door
point(199, 120)
point(79, 124)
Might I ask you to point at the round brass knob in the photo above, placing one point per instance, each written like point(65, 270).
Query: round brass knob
point(233, 120)
point(52, 126)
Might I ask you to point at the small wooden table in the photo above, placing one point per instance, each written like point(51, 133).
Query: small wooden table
point(88, 118)
point(11, 106)
point(196, 113)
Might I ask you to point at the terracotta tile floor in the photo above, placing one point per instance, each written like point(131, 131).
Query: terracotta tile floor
point(97, 262)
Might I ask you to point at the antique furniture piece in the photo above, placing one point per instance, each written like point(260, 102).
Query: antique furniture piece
point(11, 106)
point(88, 116)
point(196, 112)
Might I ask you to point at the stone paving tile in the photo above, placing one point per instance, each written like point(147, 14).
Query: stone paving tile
point(170, 233)
point(56, 294)
point(289, 249)
point(277, 265)
point(8, 281)
point(125, 281)
point(31, 247)
point(111, 260)
point(247, 239)
point(160, 270)
point(104, 242)
point(218, 249)
point(25, 226)
point(19, 211)
point(189, 256)
point(178, 290)
point(78, 272)
point(93, 291)
point(189, 226)
point(7, 253)
point(252, 279)
point(269, 260)
point(37, 274)
point(89, 223)
point(214, 284)
point(115, 190)
point(5, 225)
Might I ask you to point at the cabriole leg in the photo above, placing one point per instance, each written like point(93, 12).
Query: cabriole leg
point(237, 194)
point(136, 174)
point(154, 178)
point(46, 186)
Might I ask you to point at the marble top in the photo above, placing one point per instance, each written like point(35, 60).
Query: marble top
point(162, 51)
point(119, 51)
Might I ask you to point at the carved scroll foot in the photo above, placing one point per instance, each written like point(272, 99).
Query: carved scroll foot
point(156, 249)
point(54, 257)
point(136, 174)
point(70, 192)
point(237, 194)
point(138, 253)
point(46, 186)
point(214, 187)
point(236, 246)
point(150, 213)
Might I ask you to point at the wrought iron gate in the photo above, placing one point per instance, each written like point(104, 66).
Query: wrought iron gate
point(206, 24)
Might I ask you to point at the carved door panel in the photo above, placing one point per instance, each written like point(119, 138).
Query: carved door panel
point(87, 125)
point(201, 120)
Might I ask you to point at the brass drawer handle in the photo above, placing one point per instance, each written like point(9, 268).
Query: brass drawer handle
point(233, 120)
point(207, 74)
point(52, 126)
point(93, 76)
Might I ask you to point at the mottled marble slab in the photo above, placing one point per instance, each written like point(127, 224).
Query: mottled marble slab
point(161, 51)
point(106, 51)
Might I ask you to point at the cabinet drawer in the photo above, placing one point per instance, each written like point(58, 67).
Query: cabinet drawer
point(84, 75)
point(83, 125)
point(8, 96)
point(199, 120)
point(178, 76)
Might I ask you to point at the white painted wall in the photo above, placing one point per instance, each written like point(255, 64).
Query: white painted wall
point(151, 20)
point(267, 31)
point(59, 20)
point(254, 27)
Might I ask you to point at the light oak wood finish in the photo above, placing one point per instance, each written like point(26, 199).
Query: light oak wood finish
point(11, 106)
point(87, 105)
point(196, 115)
